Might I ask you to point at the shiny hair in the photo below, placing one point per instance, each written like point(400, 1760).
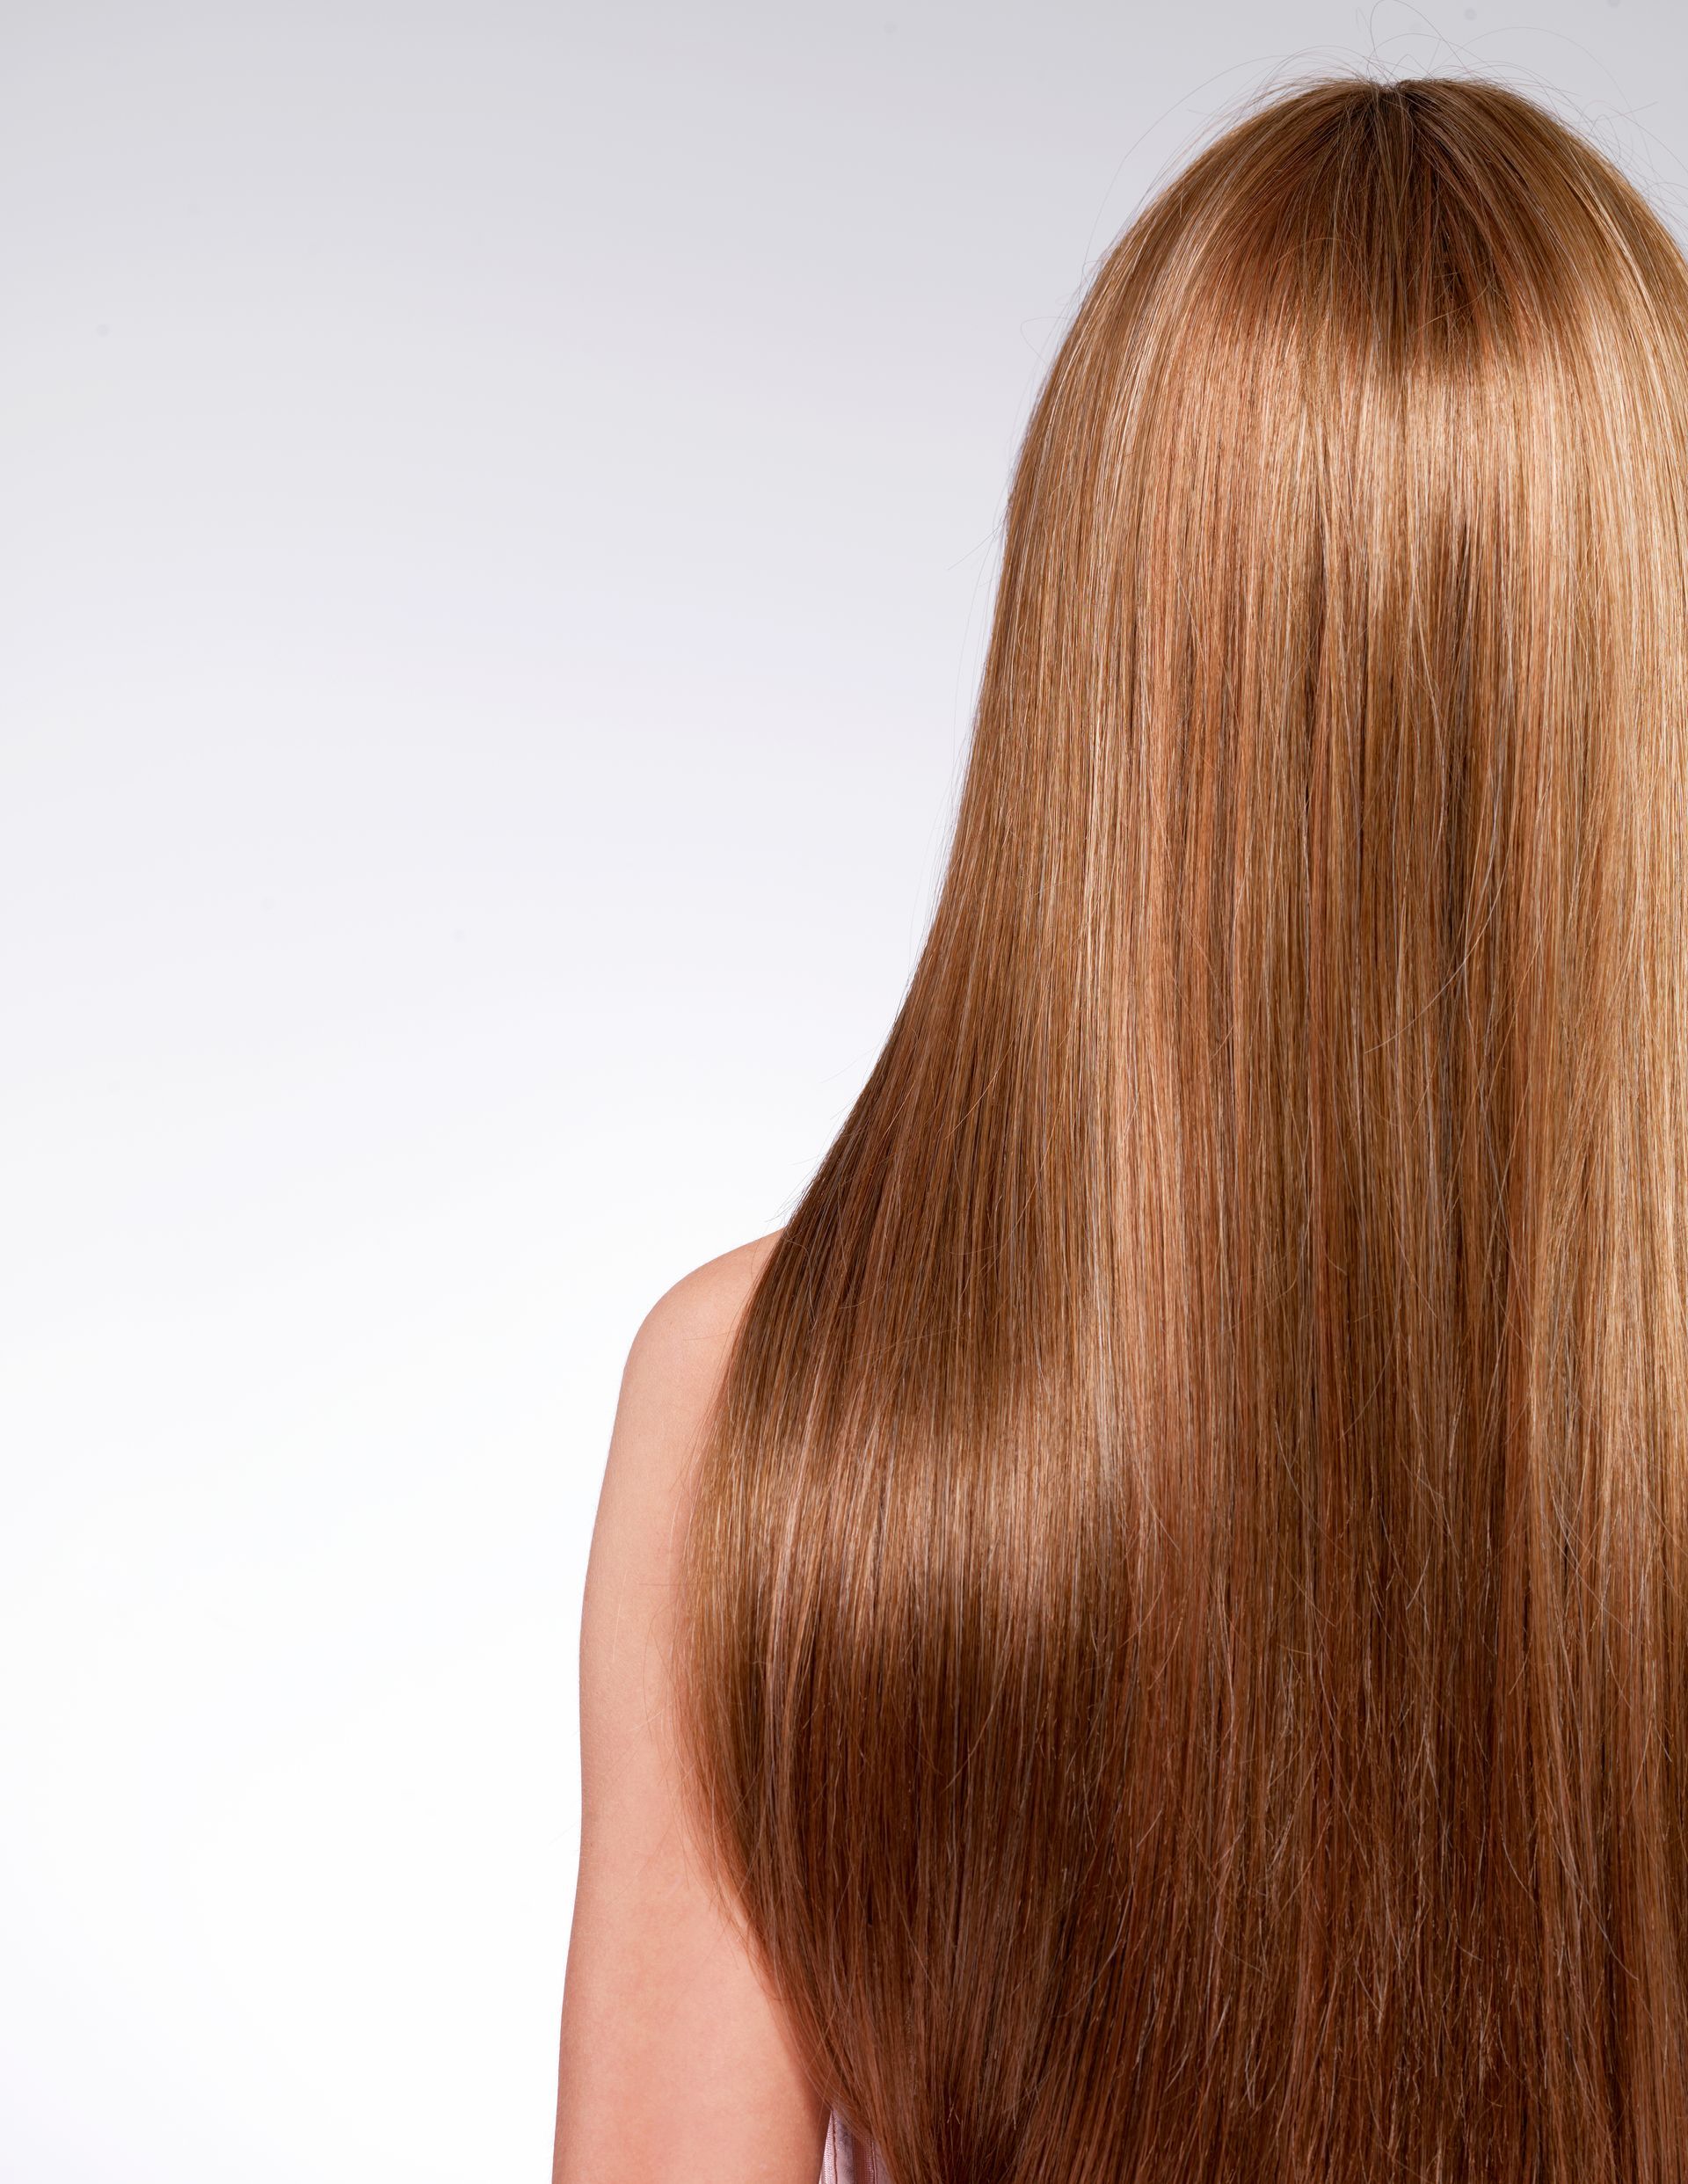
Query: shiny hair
point(1183, 1649)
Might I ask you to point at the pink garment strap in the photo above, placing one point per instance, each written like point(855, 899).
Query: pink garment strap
point(848, 2159)
point(838, 2158)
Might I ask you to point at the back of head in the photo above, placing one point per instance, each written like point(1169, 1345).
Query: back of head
point(1185, 1639)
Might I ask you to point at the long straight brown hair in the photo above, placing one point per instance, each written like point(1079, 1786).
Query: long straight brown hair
point(1183, 1644)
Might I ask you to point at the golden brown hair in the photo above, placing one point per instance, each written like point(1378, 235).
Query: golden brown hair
point(1183, 1648)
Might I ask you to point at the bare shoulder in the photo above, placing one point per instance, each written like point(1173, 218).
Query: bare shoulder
point(685, 1333)
point(674, 2057)
point(673, 1370)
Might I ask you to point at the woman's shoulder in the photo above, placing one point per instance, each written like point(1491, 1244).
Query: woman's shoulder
point(701, 1310)
point(672, 1369)
point(667, 2029)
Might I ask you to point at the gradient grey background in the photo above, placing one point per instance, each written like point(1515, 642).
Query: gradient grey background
point(498, 522)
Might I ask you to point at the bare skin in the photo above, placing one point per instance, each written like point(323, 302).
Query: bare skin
point(676, 2066)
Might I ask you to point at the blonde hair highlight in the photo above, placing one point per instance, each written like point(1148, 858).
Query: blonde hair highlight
point(1183, 1639)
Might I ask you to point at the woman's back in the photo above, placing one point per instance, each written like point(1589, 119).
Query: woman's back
point(1181, 1634)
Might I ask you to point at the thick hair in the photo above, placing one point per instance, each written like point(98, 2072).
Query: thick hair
point(1184, 1647)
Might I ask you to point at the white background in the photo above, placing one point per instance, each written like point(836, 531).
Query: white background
point(498, 515)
